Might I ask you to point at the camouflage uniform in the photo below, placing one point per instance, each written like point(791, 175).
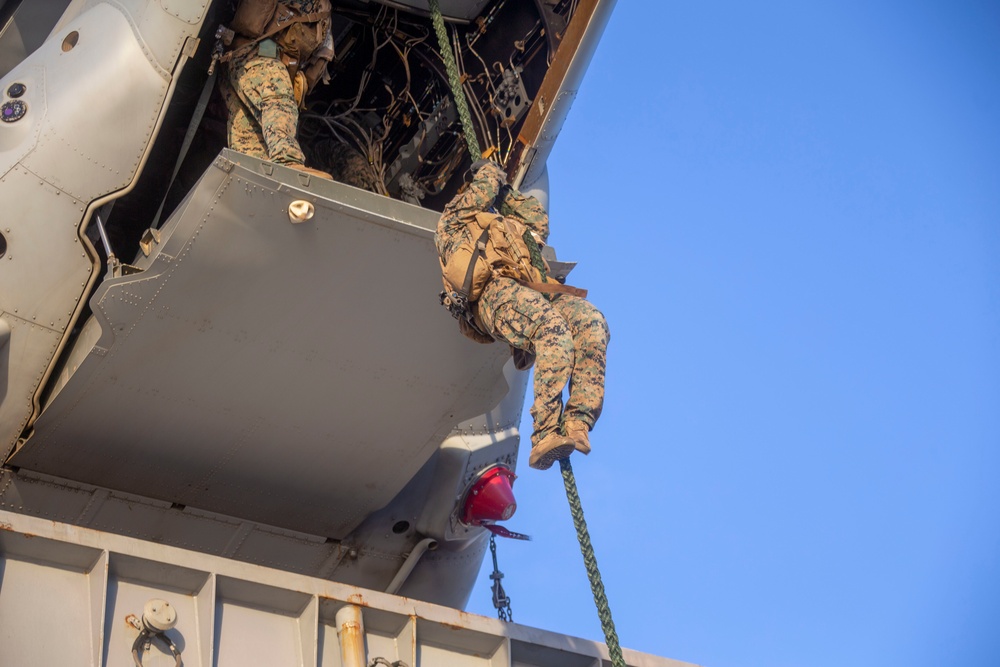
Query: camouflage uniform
point(263, 114)
point(567, 334)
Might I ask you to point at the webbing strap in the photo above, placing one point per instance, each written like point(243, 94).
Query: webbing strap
point(471, 271)
point(555, 288)
point(199, 112)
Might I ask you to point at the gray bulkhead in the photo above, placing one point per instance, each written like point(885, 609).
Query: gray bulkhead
point(95, 93)
point(71, 596)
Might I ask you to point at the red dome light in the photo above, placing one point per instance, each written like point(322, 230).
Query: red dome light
point(490, 498)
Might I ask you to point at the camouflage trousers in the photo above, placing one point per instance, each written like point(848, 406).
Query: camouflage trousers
point(569, 337)
point(263, 115)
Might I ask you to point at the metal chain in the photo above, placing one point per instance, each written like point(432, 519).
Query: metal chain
point(590, 562)
point(454, 82)
point(500, 599)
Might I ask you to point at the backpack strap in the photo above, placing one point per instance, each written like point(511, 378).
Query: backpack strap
point(470, 316)
point(476, 254)
point(555, 288)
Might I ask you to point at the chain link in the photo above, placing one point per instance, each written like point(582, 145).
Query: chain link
point(500, 599)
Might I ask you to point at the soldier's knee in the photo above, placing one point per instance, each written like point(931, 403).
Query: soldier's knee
point(595, 330)
point(553, 337)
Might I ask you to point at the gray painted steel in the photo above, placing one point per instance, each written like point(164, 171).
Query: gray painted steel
point(66, 594)
point(94, 105)
point(297, 375)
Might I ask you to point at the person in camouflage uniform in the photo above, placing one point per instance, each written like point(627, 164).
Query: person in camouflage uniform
point(259, 94)
point(568, 335)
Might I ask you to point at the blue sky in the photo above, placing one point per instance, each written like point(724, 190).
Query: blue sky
point(789, 214)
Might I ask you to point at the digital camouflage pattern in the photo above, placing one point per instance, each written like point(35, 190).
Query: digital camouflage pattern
point(263, 115)
point(568, 335)
point(453, 227)
point(304, 6)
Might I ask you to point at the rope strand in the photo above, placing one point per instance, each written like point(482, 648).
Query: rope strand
point(590, 562)
point(453, 80)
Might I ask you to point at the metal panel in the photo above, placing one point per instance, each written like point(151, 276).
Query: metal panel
point(247, 372)
point(44, 590)
point(560, 85)
point(43, 276)
point(134, 581)
point(109, 77)
point(164, 31)
point(18, 139)
point(93, 104)
point(233, 614)
point(40, 226)
point(191, 11)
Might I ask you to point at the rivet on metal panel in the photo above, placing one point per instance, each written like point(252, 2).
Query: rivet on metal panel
point(224, 164)
point(300, 210)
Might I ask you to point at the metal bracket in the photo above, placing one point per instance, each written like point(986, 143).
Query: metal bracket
point(149, 237)
point(191, 47)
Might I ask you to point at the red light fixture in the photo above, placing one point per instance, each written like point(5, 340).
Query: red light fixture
point(490, 498)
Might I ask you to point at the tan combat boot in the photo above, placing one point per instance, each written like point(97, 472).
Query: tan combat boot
point(553, 447)
point(578, 432)
point(310, 170)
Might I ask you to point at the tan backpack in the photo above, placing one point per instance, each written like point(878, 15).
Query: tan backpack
point(298, 34)
point(496, 247)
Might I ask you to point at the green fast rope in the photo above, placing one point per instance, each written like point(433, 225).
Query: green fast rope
point(590, 562)
point(569, 480)
point(535, 252)
point(576, 509)
point(453, 80)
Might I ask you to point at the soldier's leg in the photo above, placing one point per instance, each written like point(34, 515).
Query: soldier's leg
point(244, 134)
point(522, 317)
point(590, 343)
point(265, 87)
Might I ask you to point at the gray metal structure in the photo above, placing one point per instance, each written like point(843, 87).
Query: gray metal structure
point(263, 410)
point(70, 596)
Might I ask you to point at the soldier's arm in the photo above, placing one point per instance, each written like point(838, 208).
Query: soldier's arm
point(478, 197)
point(528, 209)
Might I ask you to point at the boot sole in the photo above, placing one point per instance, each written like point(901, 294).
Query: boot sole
point(545, 461)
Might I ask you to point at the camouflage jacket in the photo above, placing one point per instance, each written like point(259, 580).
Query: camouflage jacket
point(453, 227)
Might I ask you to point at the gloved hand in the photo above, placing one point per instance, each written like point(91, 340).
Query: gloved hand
point(497, 169)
